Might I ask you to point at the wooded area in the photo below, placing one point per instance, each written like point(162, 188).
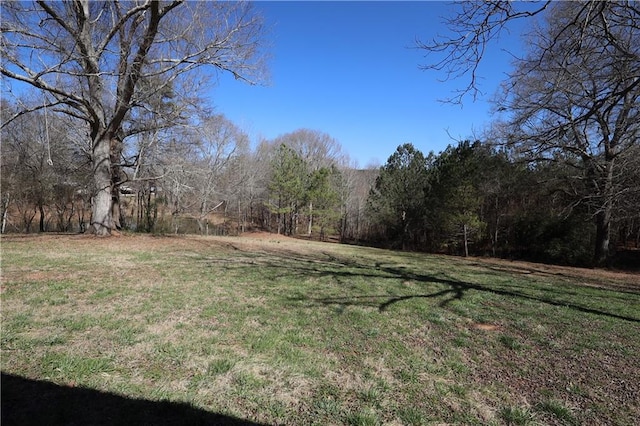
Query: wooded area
point(557, 179)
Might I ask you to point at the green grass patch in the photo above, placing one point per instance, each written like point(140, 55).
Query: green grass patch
point(558, 410)
point(365, 417)
point(517, 416)
point(76, 369)
point(219, 366)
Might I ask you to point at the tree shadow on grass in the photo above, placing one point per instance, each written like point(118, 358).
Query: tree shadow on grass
point(454, 290)
point(32, 402)
point(618, 285)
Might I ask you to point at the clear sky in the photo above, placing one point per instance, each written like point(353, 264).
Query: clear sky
point(351, 70)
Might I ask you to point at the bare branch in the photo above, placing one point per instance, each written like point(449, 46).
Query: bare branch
point(475, 26)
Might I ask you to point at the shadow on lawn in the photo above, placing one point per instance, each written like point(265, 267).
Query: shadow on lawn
point(455, 291)
point(32, 402)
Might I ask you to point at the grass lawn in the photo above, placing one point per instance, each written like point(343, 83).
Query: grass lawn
point(270, 330)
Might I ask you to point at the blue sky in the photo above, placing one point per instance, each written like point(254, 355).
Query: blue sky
point(350, 69)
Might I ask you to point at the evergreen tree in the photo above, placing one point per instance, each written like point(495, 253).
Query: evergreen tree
point(455, 196)
point(397, 202)
point(286, 187)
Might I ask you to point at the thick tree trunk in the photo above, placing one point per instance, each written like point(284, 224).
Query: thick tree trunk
point(603, 219)
point(101, 208)
point(603, 237)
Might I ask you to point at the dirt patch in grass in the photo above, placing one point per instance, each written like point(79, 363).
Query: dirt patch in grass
point(485, 327)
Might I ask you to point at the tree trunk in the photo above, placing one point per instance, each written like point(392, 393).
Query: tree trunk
point(603, 218)
point(343, 227)
point(41, 209)
point(140, 203)
point(466, 241)
point(494, 243)
point(80, 213)
point(116, 212)
point(310, 219)
point(202, 219)
point(603, 236)
point(101, 217)
point(404, 230)
point(151, 215)
point(27, 219)
point(5, 209)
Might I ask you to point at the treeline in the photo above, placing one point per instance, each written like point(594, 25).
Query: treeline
point(203, 178)
point(475, 199)
point(100, 146)
point(207, 178)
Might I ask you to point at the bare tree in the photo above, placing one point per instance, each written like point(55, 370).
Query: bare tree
point(219, 143)
point(249, 174)
point(42, 170)
point(177, 180)
point(315, 148)
point(354, 191)
point(103, 63)
point(573, 98)
point(26, 175)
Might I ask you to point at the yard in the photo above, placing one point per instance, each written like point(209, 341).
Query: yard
point(264, 329)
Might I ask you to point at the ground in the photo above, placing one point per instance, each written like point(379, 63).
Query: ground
point(280, 330)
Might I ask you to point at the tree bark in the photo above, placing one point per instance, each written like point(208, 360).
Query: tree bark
point(101, 218)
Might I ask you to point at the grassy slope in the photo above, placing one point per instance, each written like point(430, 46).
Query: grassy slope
point(293, 332)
